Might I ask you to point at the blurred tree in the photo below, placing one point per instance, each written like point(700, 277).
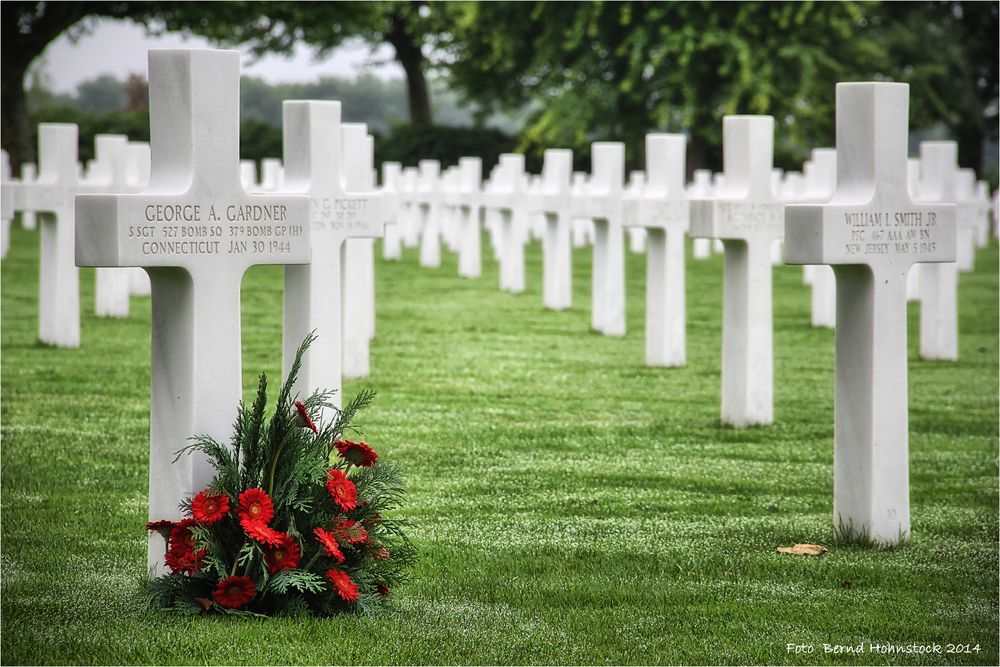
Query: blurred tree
point(617, 70)
point(105, 93)
point(279, 26)
point(136, 92)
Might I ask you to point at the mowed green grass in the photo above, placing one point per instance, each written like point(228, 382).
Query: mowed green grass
point(570, 505)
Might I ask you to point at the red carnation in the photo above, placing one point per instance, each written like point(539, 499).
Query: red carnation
point(209, 507)
point(357, 453)
point(350, 531)
point(234, 592)
point(283, 556)
point(329, 543)
point(263, 533)
point(346, 589)
point(255, 506)
point(304, 420)
point(342, 490)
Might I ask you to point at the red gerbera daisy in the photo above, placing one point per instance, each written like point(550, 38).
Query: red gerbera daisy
point(357, 453)
point(234, 592)
point(350, 531)
point(263, 533)
point(346, 589)
point(180, 534)
point(303, 417)
point(255, 506)
point(329, 543)
point(210, 506)
point(283, 556)
point(342, 490)
point(183, 560)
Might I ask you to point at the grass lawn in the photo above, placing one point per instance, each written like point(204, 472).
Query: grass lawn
point(570, 505)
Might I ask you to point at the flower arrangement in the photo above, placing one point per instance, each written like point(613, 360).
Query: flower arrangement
point(294, 520)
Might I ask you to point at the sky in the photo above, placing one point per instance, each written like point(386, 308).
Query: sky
point(119, 48)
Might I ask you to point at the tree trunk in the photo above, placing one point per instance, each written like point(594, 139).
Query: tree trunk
point(410, 56)
point(14, 125)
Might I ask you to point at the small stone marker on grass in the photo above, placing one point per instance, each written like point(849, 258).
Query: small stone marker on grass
point(197, 231)
point(871, 232)
point(747, 216)
point(661, 208)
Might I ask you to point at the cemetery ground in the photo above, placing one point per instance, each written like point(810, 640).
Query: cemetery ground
point(570, 505)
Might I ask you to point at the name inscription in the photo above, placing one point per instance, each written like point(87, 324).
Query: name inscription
point(874, 233)
point(343, 214)
point(743, 217)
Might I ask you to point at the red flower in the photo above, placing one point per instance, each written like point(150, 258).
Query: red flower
point(329, 543)
point(210, 506)
point(342, 490)
point(357, 453)
point(304, 417)
point(346, 589)
point(180, 535)
point(350, 531)
point(283, 556)
point(383, 589)
point(381, 554)
point(234, 592)
point(184, 561)
point(263, 533)
point(255, 506)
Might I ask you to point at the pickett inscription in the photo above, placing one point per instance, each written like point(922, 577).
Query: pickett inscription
point(339, 214)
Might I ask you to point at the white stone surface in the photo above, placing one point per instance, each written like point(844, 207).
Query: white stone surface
point(701, 188)
point(359, 257)
point(29, 172)
point(747, 216)
point(506, 199)
point(137, 170)
point(981, 207)
point(636, 235)
point(583, 227)
point(603, 204)
point(110, 174)
point(913, 188)
point(392, 243)
point(428, 207)
point(317, 164)
point(938, 287)
point(553, 202)
point(470, 250)
point(196, 230)
point(820, 183)
point(409, 212)
point(248, 174)
point(661, 208)
point(871, 232)
point(272, 175)
point(52, 195)
point(965, 218)
point(8, 195)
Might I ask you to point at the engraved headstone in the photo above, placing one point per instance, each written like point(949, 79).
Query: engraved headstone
point(583, 227)
point(392, 243)
point(965, 218)
point(428, 209)
point(196, 231)
point(636, 235)
point(28, 175)
point(746, 215)
point(318, 165)
point(701, 188)
point(409, 213)
point(871, 231)
point(109, 173)
point(661, 208)
point(137, 169)
point(981, 207)
point(820, 184)
point(8, 193)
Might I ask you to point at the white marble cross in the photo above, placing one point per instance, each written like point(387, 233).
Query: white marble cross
point(966, 218)
point(8, 195)
point(359, 254)
point(110, 174)
point(938, 282)
point(871, 232)
point(661, 208)
point(196, 231)
point(409, 212)
point(981, 205)
point(317, 165)
point(820, 184)
point(469, 210)
point(428, 209)
point(604, 203)
point(701, 188)
point(28, 175)
point(553, 202)
point(747, 216)
point(583, 227)
point(507, 198)
point(392, 243)
point(137, 166)
point(52, 194)
point(636, 235)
